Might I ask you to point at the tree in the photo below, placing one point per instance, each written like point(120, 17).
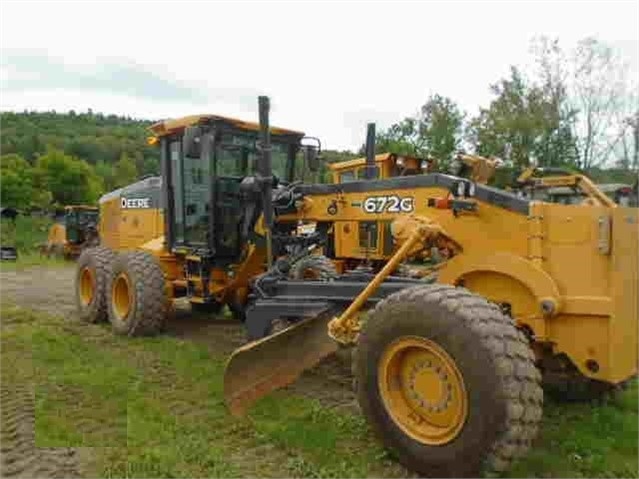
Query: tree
point(626, 144)
point(524, 124)
point(70, 180)
point(124, 171)
point(634, 128)
point(599, 92)
point(105, 171)
point(441, 128)
point(435, 132)
point(557, 144)
point(402, 138)
point(16, 180)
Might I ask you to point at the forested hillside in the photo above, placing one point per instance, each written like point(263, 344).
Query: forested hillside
point(51, 158)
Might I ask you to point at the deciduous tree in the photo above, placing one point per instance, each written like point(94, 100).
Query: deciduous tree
point(436, 131)
point(16, 177)
point(70, 180)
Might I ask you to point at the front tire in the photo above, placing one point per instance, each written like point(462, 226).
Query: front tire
point(138, 304)
point(447, 382)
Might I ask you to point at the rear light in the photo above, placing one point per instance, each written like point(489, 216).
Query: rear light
point(440, 203)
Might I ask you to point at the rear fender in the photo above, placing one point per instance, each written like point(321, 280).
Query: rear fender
point(507, 278)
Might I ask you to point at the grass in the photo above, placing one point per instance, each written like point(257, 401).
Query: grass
point(154, 408)
point(580, 440)
point(25, 234)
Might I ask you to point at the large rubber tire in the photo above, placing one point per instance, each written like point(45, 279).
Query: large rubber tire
point(148, 305)
point(98, 263)
point(504, 396)
point(315, 267)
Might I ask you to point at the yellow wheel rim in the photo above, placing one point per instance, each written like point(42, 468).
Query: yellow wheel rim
point(87, 286)
point(121, 297)
point(422, 390)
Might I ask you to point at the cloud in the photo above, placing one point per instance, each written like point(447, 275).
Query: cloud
point(35, 71)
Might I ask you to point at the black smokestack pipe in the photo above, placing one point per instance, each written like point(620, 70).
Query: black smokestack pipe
point(265, 174)
point(370, 151)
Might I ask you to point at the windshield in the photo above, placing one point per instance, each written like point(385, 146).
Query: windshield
point(237, 156)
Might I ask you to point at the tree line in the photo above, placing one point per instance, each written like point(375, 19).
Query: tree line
point(575, 108)
point(51, 159)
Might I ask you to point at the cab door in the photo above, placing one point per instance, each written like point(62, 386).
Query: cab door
point(231, 167)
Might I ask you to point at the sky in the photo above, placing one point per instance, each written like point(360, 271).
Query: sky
point(329, 67)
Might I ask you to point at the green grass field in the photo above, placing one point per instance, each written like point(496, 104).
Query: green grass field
point(154, 408)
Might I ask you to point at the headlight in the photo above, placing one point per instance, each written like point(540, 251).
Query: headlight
point(461, 188)
point(471, 189)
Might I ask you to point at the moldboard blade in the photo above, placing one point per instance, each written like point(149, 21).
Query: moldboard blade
point(260, 367)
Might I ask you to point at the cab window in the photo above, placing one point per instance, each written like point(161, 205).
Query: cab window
point(361, 173)
point(347, 176)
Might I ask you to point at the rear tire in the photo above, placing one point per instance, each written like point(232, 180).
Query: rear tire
point(93, 272)
point(138, 304)
point(478, 354)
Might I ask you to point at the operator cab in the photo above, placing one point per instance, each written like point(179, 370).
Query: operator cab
point(211, 193)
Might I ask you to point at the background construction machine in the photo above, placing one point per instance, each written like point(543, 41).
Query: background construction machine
point(448, 374)
point(386, 165)
point(561, 186)
point(370, 243)
point(73, 231)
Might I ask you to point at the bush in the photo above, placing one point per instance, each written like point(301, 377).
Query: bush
point(25, 233)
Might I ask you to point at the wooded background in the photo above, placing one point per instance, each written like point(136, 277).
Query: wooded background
point(577, 108)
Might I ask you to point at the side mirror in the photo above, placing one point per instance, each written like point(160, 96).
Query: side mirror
point(311, 158)
point(192, 141)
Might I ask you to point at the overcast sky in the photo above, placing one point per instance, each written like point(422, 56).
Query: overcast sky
point(329, 66)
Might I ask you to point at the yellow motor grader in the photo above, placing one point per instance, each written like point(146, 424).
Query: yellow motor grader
point(386, 165)
point(448, 373)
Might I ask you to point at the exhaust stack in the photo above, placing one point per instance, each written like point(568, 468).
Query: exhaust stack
point(370, 151)
point(265, 174)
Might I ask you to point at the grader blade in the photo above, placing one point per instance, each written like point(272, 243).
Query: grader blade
point(260, 367)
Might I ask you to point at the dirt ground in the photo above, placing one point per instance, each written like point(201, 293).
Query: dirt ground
point(50, 290)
